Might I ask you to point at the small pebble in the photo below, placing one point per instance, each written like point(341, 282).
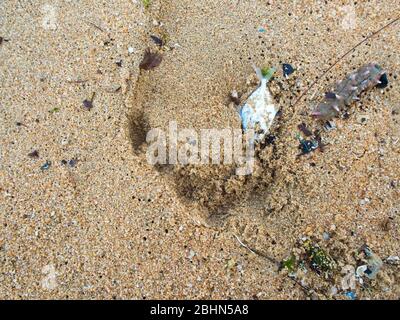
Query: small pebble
point(72, 163)
point(351, 295)
point(287, 69)
point(329, 126)
point(158, 41)
point(191, 254)
point(234, 97)
point(88, 104)
point(34, 154)
point(362, 119)
point(395, 260)
point(46, 166)
point(64, 141)
point(307, 146)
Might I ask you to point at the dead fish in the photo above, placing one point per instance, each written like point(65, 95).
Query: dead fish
point(348, 90)
point(259, 111)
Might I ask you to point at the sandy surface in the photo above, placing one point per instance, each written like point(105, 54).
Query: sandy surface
point(109, 225)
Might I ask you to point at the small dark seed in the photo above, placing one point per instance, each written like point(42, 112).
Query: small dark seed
point(157, 41)
point(34, 154)
point(88, 104)
point(303, 128)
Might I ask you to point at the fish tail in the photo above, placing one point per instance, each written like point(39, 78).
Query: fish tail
point(258, 72)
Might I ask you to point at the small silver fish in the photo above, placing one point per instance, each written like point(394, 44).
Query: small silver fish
point(259, 111)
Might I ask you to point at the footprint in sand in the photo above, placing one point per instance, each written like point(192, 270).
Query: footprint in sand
point(193, 84)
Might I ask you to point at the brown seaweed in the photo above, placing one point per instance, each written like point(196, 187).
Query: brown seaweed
point(150, 60)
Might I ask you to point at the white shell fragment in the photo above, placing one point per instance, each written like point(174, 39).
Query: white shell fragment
point(371, 269)
point(395, 260)
point(259, 111)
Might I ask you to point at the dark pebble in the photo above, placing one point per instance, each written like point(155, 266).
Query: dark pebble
point(308, 146)
point(88, 104)
point(34, 154)
point(384, 81)
point(72, 163)
point(303, 128)
point(287, 69)
point(157, 41)
point(270, 139)
point(46, 166)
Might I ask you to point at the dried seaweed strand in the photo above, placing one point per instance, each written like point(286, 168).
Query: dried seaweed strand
point(272, 260)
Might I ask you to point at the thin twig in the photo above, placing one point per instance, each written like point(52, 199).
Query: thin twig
point(307, 290)
point(77, 81)
point(272, 260)
point(242, 244)
point(96, 26)
point(342, 57)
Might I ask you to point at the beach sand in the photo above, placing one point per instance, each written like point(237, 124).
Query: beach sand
point(88, 217)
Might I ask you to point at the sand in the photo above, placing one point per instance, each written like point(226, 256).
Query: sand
point(108, 225)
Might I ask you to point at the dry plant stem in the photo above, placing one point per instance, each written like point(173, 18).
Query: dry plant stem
point(272, 260)
point(96, 26)
point(305, 289)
